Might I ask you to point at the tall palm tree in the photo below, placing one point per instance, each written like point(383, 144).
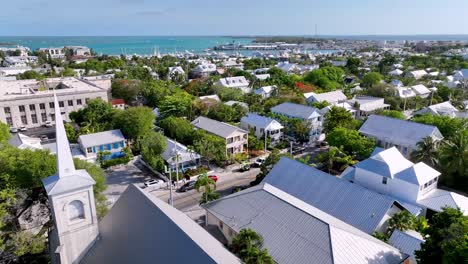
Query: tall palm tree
point(454, 154)
point(206, 183)
point(427, 151)
point(245, 239)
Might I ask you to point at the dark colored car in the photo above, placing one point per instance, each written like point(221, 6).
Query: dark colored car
point(187, 186)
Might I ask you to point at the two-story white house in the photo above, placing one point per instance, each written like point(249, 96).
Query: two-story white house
point(236, 138)
point(261, 125)
point(389, 172)
point(402, 134)
point(367, 105)
point(306, 113)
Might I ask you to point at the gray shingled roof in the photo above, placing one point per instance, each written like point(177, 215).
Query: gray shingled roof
point(296, 110)
point(215, 127)
point(140, 228)
point(349, 202)
point(296, 232)
point(399, 131)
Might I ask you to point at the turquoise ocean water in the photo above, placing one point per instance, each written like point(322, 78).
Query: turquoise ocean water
point(145, 45)
point(126, 45)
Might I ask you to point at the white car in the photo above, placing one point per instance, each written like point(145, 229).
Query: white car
point(154, 184)
point(48, 124)
point(23, 129)
point(259, 162)
point(13, 129)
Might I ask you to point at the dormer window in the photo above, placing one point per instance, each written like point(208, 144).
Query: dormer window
point(384, 180)
point(75, 211)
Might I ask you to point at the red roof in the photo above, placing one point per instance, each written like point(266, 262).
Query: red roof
point(118, 101)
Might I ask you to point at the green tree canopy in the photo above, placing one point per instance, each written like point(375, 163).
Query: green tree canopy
point(135, 122)
point(447, 126)
point(210, 147)
point(339, 117)
point(95, 117)
point(328, 78)
point(4, 132)
point(153, 144)
point(371, 79)
point(155, 91)
point(178, 128)
point(178, 104)
point(353, 65)
point(351, 141)
point(446, 240)
point(126, 89)
point(392, 113)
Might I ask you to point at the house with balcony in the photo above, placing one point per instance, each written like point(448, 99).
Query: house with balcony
point(367, 105)
point(261, 125)
point(392, 132)
point(388, 172)
point(112, 141)
point(311, 115)
point(235, 137)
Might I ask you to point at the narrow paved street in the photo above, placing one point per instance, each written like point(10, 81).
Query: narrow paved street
point(227, 181)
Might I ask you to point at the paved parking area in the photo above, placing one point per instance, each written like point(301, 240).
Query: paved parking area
point(119, 177)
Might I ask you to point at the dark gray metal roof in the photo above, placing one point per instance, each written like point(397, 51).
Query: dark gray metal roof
point(296, 232)
point(349, 202)
point(143, 229)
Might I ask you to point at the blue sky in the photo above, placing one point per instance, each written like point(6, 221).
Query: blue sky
point(239, 17)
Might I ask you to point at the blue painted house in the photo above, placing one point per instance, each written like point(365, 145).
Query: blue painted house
point(112, 141)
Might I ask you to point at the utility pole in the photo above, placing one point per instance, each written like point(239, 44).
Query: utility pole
point(176, 156)
point(171, 201)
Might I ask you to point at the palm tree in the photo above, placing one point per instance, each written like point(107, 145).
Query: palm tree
point(427, 151)
point(403, 221)
point(205, 182)
point(454, 154)
point(244, 240)
point(255, 255)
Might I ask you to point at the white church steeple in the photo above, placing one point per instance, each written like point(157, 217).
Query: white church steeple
point(65, 165)
point(71, 201)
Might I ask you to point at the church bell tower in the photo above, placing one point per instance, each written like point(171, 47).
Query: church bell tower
point(71, 200)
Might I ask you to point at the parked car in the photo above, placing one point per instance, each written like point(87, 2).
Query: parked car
point(259, 162)
point(13, 129)
point(187, 186)
point(154, 184)
point(48, 124)
point(214, 177)
point(23, 129)
point(245, 166)
point(44, 138)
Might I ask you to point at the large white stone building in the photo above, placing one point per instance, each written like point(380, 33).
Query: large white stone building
point(29, 103)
